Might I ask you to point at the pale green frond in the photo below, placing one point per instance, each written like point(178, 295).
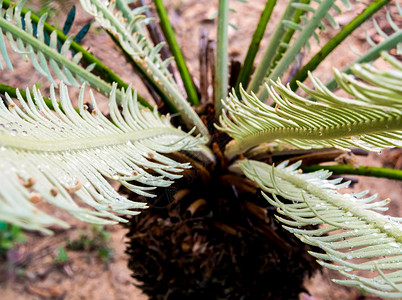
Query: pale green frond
point(308, 28)
point(53, 155)
point(31, 45)
point(364, 245)
point(390, 41)
point(130, 34)
point(371, 120)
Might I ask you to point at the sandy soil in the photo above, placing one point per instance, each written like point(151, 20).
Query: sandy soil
point(85, 276)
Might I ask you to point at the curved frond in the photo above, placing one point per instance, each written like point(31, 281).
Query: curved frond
point(357, 239)
point(51, 156)
point(28, 40)
point(131, 36)
point(372, 120)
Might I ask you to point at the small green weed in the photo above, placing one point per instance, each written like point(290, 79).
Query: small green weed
point(10, 235)
point(96, 239)
point(62, 256)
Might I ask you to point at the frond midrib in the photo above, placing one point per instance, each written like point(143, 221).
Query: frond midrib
point(94, 81)
point(245, 142)
point(369, 217)
point(83, 143)
point(148, 66)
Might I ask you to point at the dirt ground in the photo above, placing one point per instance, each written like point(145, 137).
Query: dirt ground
point(84, 275)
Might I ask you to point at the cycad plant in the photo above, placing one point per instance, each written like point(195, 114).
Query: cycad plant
point(218, 164)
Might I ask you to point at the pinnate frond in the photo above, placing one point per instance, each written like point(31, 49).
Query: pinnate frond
point(371, 120)
point(364, 245)
point(129, 31)
point(389, 41)
point(29, 40)
point(51, 156)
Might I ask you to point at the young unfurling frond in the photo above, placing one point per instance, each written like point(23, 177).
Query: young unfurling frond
point(372, 120)
point(51, 156)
